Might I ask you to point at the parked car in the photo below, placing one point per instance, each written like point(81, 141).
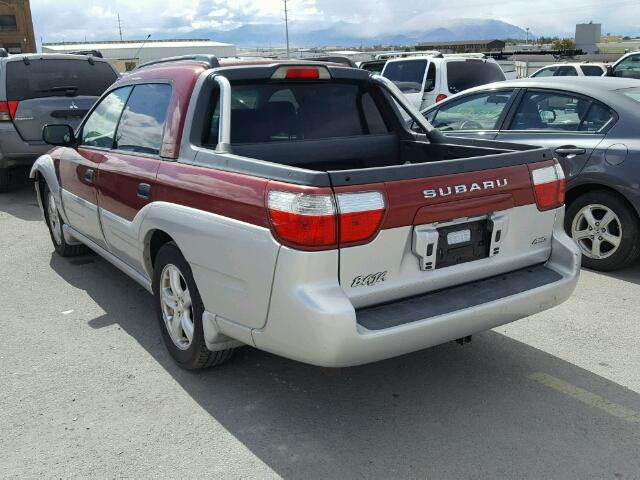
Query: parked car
point(426, 80)
point(571, 70)
point(592, 126)
point(626, 67)
point(39, 89)
point(374, 66)
point(287, 206)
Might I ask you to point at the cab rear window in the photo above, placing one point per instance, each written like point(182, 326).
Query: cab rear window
point(462, 75)
point(57, 77)
point(272, 112)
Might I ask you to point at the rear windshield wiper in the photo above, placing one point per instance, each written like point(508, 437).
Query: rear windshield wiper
point(68, 89)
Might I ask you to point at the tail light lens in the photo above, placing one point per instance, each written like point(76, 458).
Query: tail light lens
point(549, 186)
point(8, 110)
point(301, 73)
point(440, 97)
point(315, 222)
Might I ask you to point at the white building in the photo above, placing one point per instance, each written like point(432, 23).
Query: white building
point(127, 54)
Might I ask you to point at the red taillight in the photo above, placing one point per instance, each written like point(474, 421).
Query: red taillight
point(300, 73)
point(8, 110)
point(549, 185)
point(314, 221)
point(440, 97)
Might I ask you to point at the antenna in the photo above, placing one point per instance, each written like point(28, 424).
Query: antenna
point(145, 41)
point(286, 26)
point(119, 27)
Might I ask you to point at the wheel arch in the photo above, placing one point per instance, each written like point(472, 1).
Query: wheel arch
point(44, 169)
point(579, 190)
point(155, 238)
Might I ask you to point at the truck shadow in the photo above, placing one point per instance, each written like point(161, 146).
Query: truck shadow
point(446, 412)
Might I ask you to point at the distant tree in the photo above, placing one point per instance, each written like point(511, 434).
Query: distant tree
point(564, 44)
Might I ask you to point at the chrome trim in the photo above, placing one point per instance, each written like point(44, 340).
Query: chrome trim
point(224, 128)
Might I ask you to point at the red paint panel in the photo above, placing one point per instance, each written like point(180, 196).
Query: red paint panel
point(73, 167)
point(464, 208)
point(224, 193)
point(118, 180)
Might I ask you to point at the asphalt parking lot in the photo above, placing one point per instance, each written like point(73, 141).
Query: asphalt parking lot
point(88, 389)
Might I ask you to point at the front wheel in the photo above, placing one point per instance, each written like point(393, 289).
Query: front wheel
point(179, 309)
point(55, 223)
point(606, 230)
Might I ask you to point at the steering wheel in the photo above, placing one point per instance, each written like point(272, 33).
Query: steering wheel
point(470, 125)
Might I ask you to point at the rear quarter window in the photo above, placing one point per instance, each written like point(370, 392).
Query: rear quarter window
point(57, 77)
point(407, 75)
point(592, 70)
point(462, 75)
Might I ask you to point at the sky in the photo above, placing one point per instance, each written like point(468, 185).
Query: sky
point(71, 20)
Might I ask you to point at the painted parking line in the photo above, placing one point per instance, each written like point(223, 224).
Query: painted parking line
point(586, 397)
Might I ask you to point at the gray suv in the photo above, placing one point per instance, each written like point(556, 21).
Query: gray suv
point(38, 89)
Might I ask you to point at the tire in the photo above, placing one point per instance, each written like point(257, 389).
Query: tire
point(178, 296)
point(597, 240)
point(4, 180)
point(55, 223)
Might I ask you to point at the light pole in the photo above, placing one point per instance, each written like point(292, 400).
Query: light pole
point(286, 26)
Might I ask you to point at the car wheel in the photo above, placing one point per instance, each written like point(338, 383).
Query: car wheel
point(55, 223)
point(179, 310)
point(4, 180)
point(605, 228)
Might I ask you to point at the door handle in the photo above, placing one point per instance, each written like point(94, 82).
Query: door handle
point(89, 174)
point(570, 150)
point(144, 191)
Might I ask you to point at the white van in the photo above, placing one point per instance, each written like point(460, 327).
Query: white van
point(426, 80)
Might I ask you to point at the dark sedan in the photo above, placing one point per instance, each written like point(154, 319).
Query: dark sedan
point(593, 125)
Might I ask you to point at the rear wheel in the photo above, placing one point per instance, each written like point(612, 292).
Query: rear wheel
point(4, 179)
point(179, 310)
point(55, 223)
point(606, 230)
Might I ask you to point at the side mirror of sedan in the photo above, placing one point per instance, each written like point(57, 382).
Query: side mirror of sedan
point(59, 135)
point(609, 71)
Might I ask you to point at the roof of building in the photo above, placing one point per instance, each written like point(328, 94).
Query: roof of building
point(114, 45)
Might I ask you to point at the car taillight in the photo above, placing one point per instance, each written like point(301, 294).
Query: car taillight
point(360, 215)
point(440, 97)
point(314, 221)
point(549, 186)
point(8, 110)
point(301, 73)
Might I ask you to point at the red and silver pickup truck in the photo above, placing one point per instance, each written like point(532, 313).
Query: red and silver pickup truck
point(287, 206)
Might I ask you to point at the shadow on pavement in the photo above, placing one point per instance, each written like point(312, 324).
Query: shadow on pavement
point(628, 274)
point(445, 412)
point(20, 201)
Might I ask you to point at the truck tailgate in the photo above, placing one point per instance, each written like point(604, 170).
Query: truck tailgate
point(448, 230)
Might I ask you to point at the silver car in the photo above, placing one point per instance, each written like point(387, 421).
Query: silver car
point(40, 89)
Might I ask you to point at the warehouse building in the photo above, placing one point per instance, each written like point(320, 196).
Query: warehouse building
point(126, 55)
point(464, 46)
point(16, 27)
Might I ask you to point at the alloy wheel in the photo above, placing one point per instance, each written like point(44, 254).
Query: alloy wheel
point(597, 230)
point(177, 308)
point(54, 219)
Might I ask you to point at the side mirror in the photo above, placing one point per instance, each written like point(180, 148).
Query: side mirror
point(609, 71)
point(59, 135)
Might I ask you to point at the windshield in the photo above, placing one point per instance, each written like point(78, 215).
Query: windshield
point(407, 75)
point(462, 75)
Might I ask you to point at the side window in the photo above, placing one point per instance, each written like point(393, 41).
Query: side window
point(545, 72)
point(592, 70)
point(142, 124)
point(100, 127)
point(430, 83)
point(476, 112)
point(566, 72)
point(596, 118)
point(550, 111)
point(628, 68)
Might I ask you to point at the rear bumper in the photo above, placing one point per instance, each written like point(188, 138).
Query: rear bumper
point(312, 320)
point(14, 151)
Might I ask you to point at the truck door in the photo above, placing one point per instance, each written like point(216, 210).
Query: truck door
point(79, 168)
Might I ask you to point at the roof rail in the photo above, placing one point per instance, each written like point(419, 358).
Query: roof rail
point(210, 60)
point(333, 59)
point(89, 53)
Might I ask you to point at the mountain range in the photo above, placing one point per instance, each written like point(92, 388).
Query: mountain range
point(345, 34)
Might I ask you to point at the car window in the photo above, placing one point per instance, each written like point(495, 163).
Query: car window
point(592, 70)
point(142, 124)
point(475, 112)
point(596, 118)
point(462, 75)
point(628, 68)
point(298, 111)
point(430, 83)
point(57, 78)
point(100, 127)
point(550, 111)
point(545, 72)
point(407, 75)
point(566, 72)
